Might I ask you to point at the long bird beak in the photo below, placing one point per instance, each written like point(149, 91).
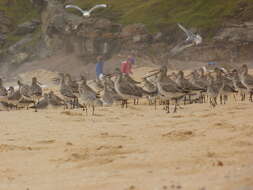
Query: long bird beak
point(155, 70)
point(153, 74)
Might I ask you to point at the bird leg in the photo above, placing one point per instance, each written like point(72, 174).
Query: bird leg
point(184, 100)
point(175, 108)
point(220, 99)
point(225, 98)
point(168, 106)
point(234, 97)
point(250, 98)
point(85, 108)
point(215, 101)
point(93, 109)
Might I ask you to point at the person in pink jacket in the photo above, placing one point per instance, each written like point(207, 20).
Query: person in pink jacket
point(126, 66)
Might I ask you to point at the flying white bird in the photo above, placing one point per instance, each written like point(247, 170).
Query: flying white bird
point(191, 40)
point(194, 38)
point(84, 12)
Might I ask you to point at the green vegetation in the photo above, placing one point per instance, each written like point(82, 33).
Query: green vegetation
point(158, 14)
point(206, 15)
point(18, 10)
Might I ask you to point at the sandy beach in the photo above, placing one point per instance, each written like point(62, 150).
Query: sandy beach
point(139, 148)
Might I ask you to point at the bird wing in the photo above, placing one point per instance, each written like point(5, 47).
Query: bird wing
point(130, 89)
point(97, 6)
point(187, 32)
point(74, 7)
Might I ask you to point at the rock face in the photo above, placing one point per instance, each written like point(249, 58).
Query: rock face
point(60, 30)
point(236, 33)
point(5, 28)
point(27, 27)
point(88, 37)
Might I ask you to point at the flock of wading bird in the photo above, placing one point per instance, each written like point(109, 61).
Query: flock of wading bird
point(199, 86)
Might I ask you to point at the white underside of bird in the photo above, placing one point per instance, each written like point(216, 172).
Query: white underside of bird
point(191, 40)
point(86, 13)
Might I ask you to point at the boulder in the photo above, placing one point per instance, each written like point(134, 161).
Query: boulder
point(5, 23)
point(133, 30)
point(236, 33)
point(20, 44)
point(19, 58)
point(2, 39)
point(27, 27)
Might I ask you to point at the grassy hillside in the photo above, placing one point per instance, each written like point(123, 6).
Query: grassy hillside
point(157, 14)
point(18, 10)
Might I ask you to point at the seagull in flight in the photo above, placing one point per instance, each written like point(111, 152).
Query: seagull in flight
point(191, 40)
point(86, 13)
point(196, 39)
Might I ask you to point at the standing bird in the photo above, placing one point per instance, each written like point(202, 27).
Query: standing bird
point(26, 95)
point(3, 91)
point(74, 86)
point(169, 89)
point(42, 104)
point(88, 97)
point(66, 91)
point(125, 89)
point(13, 96)
point(238, 84)
point(247, 80)
point(86, 13)
point(36, 91)
point(55, 100)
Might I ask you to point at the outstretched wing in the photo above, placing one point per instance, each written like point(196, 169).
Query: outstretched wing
point(187, 32)
point(97, 6)
point(74, 7)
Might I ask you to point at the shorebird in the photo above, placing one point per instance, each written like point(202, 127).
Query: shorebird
point(226, 85)
point(107, 96)
point(125, 89)
point(152, 89)
point(110, 88)
point(95, 85)
point(74, 86)
point(55, 100)
point(88, 97)
point(213, 90)
point(238, 84)
point(42, 104)
point(36, 91)
point(13, 96)
point(185, 84)
point(129, 79)
point(86, 13)
point(169, 89)
point(195, 39)
point(196, 80)
point(66, 91)
point(26, 95)
point(72, 83)
point(3, 91)
point(247, 80)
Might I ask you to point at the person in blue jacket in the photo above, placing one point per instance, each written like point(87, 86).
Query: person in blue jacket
point(99, 67)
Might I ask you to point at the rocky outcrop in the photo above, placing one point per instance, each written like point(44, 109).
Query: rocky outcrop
point(236, 33)
point(5, 28)
point(27, 27)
